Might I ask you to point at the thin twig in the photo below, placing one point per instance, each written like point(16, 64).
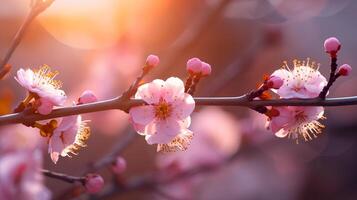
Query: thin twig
point(332, 77)
point(119, 103)
point(63, 177)
point(34, 12)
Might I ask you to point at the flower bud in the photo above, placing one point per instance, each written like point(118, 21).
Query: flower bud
point(87, 97)
point(332, 45)
point(94, 183)
point(206, 69)
point(275, 82)
point(119, 165)
point(344, 70)
point(194, 66)
point(152, 61)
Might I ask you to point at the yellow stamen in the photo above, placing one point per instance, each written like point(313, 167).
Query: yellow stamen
point(163, 109)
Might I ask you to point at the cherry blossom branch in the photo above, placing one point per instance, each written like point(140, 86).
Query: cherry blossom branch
point(37, 8)
point(124, 104)
point(63, 177)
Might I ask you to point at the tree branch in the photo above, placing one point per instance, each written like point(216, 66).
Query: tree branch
point(34, 12)
point(63, 177)
point(125, 104)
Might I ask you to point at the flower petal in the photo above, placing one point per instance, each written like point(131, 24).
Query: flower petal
point(151, 92)
point(163, 131)
point(174, 89)
point(55, 148)
point(142, 114)
point(281, 133)
point(184, 107)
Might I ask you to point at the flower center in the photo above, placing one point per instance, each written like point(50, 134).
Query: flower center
point(300, 116)
point(162, 110)
point(44, 76)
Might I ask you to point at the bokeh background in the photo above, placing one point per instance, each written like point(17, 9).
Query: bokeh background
point(101, 45)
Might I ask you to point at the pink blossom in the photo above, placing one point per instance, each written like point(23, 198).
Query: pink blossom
point(303, 81)
point(20, 177)
point(87, 96)
point(194, 65)
point(94, 183)
point(42, 84)
point(119, 166)
point(332, 45)
point(297, 122)
point(167, 116)
point(344, 70)
point(152, 61)
point(68, 137)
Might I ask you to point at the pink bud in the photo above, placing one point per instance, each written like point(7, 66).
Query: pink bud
point(93, 183)
point(275, 82)
point(45, 107)
point(344, 70)
point(87, 97)
point(194, 65)
point(152, 61)
point(332, 45)
point(206, 69)
point(119, 166)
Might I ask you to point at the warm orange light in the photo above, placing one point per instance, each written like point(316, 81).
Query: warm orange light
point(86, 24)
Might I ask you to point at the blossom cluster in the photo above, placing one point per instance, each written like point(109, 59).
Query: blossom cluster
point(303, 81)
point(163, 117)
point(65, 135)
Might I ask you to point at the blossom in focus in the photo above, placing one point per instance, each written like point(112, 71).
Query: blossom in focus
point(166, 118)
point(303, 81)
point(297, 122)
point(42, 86)
point(70, 135)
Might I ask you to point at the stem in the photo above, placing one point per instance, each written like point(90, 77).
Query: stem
point(332, 77)
point(122, 104)
point(63, 177)
point(34, 12)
